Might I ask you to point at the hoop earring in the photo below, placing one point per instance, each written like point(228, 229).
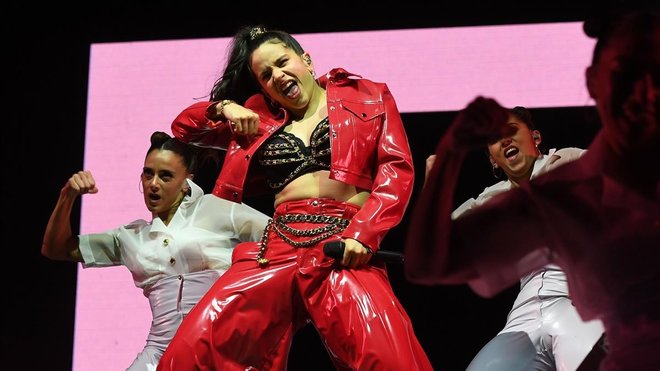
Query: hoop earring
point(497, 172)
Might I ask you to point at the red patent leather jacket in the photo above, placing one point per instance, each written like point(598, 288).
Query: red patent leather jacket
point(368, 142)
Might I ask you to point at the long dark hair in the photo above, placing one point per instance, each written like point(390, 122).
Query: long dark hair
point(237, 81)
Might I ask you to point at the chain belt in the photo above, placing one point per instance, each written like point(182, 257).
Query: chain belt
point(333, 225)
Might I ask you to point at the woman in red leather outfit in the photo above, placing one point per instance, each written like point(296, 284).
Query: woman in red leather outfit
point(334, 153)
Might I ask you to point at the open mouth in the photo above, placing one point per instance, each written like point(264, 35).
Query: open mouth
point(511, 152)
point(290, 90)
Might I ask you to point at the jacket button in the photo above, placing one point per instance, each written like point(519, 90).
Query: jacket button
point(332, 108)
point(247, 157)
point(166, 242)
point(235, 194)
point(172, 261)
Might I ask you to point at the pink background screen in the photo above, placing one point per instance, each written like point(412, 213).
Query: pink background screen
point(136, 88)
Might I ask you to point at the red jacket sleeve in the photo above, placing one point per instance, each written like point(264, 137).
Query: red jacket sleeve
point(193, 126)
point(393, 181)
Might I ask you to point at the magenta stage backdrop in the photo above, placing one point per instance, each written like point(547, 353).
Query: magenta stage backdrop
point(136, 88)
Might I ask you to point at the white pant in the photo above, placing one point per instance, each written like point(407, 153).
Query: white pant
point(171, 299)
point(541, 332)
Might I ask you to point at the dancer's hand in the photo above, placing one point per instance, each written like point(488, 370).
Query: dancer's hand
point(482, 122)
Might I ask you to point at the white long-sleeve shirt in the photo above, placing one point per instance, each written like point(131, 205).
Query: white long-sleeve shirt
point(201, 235)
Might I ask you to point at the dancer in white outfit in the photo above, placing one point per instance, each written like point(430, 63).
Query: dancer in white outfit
point(597, 217)
point(543, 330)
point(175, 257)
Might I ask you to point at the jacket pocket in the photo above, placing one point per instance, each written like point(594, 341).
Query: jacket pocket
point(364, 111)
point(362, 121)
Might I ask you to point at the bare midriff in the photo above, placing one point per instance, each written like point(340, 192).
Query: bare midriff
point(319, 185)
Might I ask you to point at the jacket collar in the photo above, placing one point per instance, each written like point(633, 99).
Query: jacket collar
point(339, 75)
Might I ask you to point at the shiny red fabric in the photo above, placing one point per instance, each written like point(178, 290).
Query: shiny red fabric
point(368, 142)
point(248, 318)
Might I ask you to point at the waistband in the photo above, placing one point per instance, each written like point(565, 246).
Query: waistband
point(318, 206)
point(333, 215)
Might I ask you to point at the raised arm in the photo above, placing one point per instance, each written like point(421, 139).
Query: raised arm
point(428, 250)
point(212, 124)
point(59, 242)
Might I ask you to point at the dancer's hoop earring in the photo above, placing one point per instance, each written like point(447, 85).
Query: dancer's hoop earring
point(497, 172)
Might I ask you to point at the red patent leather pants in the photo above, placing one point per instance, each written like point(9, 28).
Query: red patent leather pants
point(249, 316)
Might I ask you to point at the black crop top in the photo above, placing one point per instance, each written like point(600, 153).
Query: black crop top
point(285, 156)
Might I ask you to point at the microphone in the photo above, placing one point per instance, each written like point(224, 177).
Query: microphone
point(335, 249)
